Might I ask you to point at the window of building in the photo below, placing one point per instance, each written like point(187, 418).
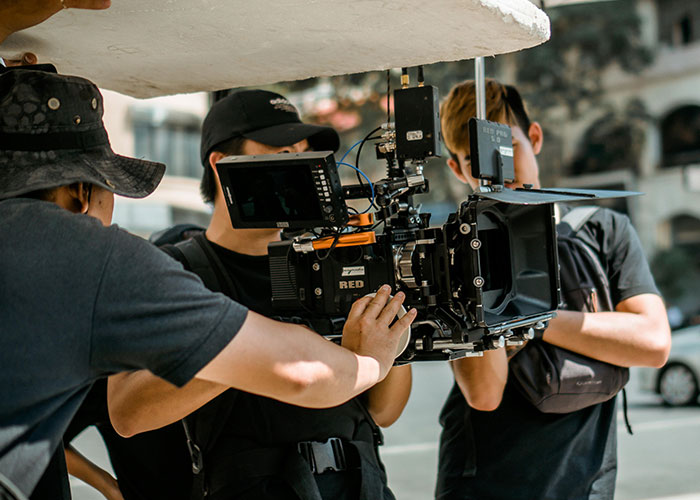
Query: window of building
point(680, 137)
point(168, 137)
point(685, 230)
point(682, 33)
point(677, 21)
point(606, 146)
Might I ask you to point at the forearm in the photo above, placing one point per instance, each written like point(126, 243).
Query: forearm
point(630, 336)
point(21, 14)
point(139, 401)
point(292, 364)
point(82, 468)
point(482, 379)
point(387, 400)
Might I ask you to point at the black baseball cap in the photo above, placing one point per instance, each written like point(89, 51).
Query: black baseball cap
point(264, 117)
point(51, 134)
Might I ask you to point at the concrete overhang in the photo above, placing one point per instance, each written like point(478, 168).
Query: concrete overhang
point(160, 47)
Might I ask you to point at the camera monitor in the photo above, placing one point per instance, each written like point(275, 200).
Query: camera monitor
point(491, 151)
point(301, 192)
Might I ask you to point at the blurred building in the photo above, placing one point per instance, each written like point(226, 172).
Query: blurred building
point(645, 133)
point(164, 129)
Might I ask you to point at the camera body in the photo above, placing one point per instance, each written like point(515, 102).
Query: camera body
point(487, 277)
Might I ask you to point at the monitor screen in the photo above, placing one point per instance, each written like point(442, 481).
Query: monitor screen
point(294, 190)
point(274, 193)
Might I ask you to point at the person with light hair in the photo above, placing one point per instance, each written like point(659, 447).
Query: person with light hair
point(495, 443)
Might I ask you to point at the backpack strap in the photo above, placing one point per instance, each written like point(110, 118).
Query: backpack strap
point(174, 234)
point(577, 217)
point(197, 256)
point(570, 224)
point(377, 436)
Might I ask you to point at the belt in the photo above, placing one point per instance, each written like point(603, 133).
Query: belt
point(324, 456)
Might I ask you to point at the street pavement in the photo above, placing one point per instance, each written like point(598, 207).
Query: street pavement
point(661, 461)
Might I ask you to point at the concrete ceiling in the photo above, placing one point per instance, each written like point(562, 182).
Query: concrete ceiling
point(159, 47)
point(558, 3)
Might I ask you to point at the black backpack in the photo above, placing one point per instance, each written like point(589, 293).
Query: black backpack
point(556, 380)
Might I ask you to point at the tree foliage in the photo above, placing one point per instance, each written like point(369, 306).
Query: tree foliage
point(586, 40)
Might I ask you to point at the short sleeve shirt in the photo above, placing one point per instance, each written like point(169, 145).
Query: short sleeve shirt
point(516, 451)
point(79, 301)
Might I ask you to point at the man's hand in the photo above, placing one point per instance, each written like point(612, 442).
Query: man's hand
point(16, 15)
point(367, 330)
point(289, 363)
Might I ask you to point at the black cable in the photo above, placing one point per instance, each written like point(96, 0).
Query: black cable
point(359, 150)
point(332, 247)
point(360, 179)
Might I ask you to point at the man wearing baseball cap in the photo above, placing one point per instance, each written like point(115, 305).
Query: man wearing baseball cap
point(251, 446)
point(81, 299)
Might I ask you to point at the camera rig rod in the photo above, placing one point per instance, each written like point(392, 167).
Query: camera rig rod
point(338, 241)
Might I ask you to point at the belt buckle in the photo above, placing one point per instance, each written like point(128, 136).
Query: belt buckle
point(324, 456)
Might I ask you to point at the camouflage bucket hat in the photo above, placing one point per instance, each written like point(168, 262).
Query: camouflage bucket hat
point(51, 134)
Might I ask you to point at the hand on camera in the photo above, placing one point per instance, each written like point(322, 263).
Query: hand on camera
point(367, 330)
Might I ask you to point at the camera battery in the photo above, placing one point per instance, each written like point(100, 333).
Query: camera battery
point(416, 111)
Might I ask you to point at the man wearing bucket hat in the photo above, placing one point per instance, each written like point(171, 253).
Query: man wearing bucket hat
point(245, 445)
point(80, 300)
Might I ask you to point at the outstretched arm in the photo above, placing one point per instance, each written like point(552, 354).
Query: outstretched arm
point(387, 399)
point(139, 401)
point(276, 360)
point(293, 364)
point(635, 334)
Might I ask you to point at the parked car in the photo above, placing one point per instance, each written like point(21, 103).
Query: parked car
point(677, 380)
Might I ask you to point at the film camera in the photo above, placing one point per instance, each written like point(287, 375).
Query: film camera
point(487, 277)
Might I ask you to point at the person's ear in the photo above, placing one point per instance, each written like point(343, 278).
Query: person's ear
point(78, 195)
point(536, 137)
point(457, 170)
point(214, 157)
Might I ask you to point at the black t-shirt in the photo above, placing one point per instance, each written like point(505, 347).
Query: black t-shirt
point(516, 451)
point(149, 465)
point(80, 301)
point(255, 422)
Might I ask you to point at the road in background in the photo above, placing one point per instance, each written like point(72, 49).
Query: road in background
point(660, 461)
